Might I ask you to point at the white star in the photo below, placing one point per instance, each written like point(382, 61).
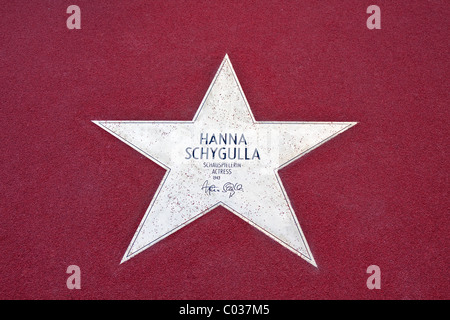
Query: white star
point(222, 157)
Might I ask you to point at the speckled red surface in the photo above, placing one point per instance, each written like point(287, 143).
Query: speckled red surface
point(74, 195)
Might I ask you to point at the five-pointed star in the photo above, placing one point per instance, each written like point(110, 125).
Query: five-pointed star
point(188, 189)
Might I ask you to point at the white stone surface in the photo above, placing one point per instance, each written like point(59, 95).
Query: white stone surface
point(249, 188)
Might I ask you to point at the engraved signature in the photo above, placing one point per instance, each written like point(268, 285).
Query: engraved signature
point(231, 187)
point(209, 188)
point(227, 187)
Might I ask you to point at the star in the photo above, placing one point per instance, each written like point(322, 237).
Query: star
point(223, 157)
